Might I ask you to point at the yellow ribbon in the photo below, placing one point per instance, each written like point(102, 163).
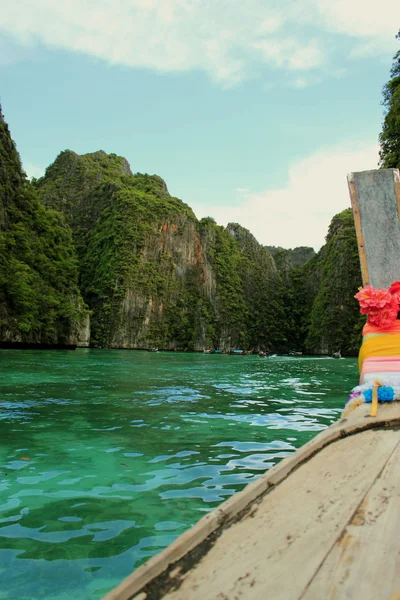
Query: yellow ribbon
point(374, 405)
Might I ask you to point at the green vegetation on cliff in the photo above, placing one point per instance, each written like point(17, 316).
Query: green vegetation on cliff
point(263, 293)
point(152, 274)
point(335, 322)
point(39, 296)
point(390, 135)
point(321, 314)
point(120, 224)
point(287, 260)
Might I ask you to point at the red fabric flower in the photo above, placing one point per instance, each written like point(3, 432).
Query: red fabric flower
point(384, 317)
point(381, 306)
point(395, 287)
point(395, 290)
point(371, 298)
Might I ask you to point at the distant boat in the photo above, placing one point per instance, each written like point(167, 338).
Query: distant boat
point(153, 350)
point(237, 352)
point(294, 353)
point(337, 354)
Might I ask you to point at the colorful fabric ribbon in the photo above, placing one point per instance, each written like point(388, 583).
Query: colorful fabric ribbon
point(388, 391)
point(377, 344)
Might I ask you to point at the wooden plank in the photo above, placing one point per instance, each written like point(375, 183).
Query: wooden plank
point(396, 176)
point(230, 510)
point(359, 232)
point(365, 562)
point(275, 552)
point(375, 198)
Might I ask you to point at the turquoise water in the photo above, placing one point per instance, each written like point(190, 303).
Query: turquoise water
point(107, 456)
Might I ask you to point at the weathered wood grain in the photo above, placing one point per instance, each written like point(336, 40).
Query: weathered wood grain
point(274, 553)
point(375, 198)
point(365, 561)
point(359, 232)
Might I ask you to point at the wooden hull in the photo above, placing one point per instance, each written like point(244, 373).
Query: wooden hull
point(324, 523)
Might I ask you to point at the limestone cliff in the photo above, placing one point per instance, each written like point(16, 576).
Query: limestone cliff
point(154, 276)
point(334, 321)
point(288, 259)
point(151, 273)
point(40, 301)
point(321, 315)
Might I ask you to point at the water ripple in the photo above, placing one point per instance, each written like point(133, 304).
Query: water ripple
point(106, 457)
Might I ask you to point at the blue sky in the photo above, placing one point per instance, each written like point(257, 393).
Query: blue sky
point(253, 111)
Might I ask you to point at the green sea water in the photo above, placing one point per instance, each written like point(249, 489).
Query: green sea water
point(108, 456)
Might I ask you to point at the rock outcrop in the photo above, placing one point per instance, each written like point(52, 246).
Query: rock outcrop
point(335, 276)
point(151, 273)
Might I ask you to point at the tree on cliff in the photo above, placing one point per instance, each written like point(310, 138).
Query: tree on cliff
point(390, 136)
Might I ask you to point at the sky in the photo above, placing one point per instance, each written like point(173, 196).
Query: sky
point(252, 111)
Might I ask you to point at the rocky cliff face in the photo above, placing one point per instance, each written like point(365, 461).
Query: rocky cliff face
point(169, 288)
point(11, 174)
point(263, 291)
point(321, 314)
point(334, 321)
point(151, 273)
point(288, 259)
point(40, 301)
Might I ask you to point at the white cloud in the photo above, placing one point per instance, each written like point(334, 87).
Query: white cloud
point(227, 40)
point(291, 54)
point(360, 18)
point(299, 213)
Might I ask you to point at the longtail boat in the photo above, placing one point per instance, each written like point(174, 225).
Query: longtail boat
point(324, 522)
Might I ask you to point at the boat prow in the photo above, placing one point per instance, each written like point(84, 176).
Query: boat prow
point(294, 532)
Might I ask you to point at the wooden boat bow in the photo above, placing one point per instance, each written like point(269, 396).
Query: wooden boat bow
point(289, 537)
